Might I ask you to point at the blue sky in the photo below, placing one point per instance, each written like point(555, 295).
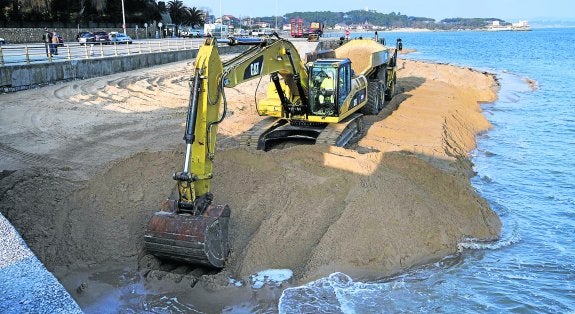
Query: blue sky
point(509, 10)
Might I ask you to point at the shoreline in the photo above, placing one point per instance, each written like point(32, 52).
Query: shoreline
point(406, 181)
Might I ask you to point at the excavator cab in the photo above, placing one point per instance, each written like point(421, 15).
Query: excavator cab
point(329, 81)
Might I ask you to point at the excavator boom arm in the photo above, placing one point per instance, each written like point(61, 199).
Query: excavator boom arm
point(265, 57)
point(211, 75)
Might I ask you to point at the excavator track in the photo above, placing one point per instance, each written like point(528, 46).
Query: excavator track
point(343, 134)
point(268, 131)
point(251, 137)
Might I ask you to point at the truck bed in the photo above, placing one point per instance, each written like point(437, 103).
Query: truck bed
point(365, 54)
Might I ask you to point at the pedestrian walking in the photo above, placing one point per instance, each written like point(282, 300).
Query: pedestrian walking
point(55, 43)
point(47, 39)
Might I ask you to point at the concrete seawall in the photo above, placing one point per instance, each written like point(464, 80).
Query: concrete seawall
point(26, 285)
point(20, 77)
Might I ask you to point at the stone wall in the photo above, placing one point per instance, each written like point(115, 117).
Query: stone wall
point(20, 77)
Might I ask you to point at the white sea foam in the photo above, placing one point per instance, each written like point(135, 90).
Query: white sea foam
point(272, 277)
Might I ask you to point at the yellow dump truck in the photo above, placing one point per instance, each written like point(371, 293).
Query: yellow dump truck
point(364, 73)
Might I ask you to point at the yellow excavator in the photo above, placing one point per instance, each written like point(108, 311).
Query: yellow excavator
point(322, 100)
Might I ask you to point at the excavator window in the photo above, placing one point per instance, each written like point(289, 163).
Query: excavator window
point(344, 82)
point(324, 84)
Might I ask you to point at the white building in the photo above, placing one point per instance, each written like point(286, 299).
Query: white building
point(216, 30)
point(521, 24)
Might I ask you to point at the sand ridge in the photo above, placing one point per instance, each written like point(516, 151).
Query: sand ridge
point(86, 164)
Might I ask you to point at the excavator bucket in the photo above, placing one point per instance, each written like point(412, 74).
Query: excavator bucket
point(195, 239)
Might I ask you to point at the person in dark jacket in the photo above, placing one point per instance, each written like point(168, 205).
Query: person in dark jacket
point(47, 39)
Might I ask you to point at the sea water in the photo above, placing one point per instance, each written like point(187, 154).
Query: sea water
point(525, 169)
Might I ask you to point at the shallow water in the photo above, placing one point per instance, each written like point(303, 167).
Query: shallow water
point(525, 169)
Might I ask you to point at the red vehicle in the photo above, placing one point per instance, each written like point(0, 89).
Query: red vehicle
point(296, 28)
point(101, 37)
point(85, 38)
point(60, 40)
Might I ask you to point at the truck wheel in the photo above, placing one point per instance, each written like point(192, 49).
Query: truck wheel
point(373, 98)
point(391, 90)
point(382, 91)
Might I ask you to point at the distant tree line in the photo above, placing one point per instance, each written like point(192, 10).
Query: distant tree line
point(142, 11)
point(15, 12)
point(389, 20)
point(361, 17)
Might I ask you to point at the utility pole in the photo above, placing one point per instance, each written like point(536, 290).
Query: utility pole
point(123, 18)
point(221, 21)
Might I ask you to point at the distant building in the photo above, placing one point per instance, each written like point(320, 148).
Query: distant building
point(340, 26)
point(261, 24)
point(216, 30)
point(368, 26)
point(230, 19)
point(519, 26)
point(247, 21)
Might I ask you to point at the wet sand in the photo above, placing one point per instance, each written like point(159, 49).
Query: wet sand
point(86, 163)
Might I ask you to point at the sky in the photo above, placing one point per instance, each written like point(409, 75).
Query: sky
point(509, 10)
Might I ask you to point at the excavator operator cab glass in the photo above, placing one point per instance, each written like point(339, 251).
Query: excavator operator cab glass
point(324, 89)
point(344, 82)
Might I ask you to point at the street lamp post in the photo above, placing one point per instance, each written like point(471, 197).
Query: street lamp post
point(123, 18)
point(221, 21)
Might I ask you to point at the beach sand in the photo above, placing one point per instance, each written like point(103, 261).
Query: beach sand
point(86, 163)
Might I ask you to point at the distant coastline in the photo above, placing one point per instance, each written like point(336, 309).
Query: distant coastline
point(331, 32)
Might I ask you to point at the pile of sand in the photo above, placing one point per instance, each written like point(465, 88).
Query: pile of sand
point(91, 161)
point(359, 52)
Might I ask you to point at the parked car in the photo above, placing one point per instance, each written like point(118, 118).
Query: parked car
point(120, 38)
point(85, 37)
point(196, 33)
point(262, 32)
point(60, 40)
point(2, 41)
point(242, 32)
point(102, 37)
point(192, 33)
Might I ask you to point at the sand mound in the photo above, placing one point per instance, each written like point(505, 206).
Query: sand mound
point(316, 211)
point(313, 210)
point(103, 163)
point(359, 52)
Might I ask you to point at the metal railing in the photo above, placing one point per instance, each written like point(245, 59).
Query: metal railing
point(38, 53)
